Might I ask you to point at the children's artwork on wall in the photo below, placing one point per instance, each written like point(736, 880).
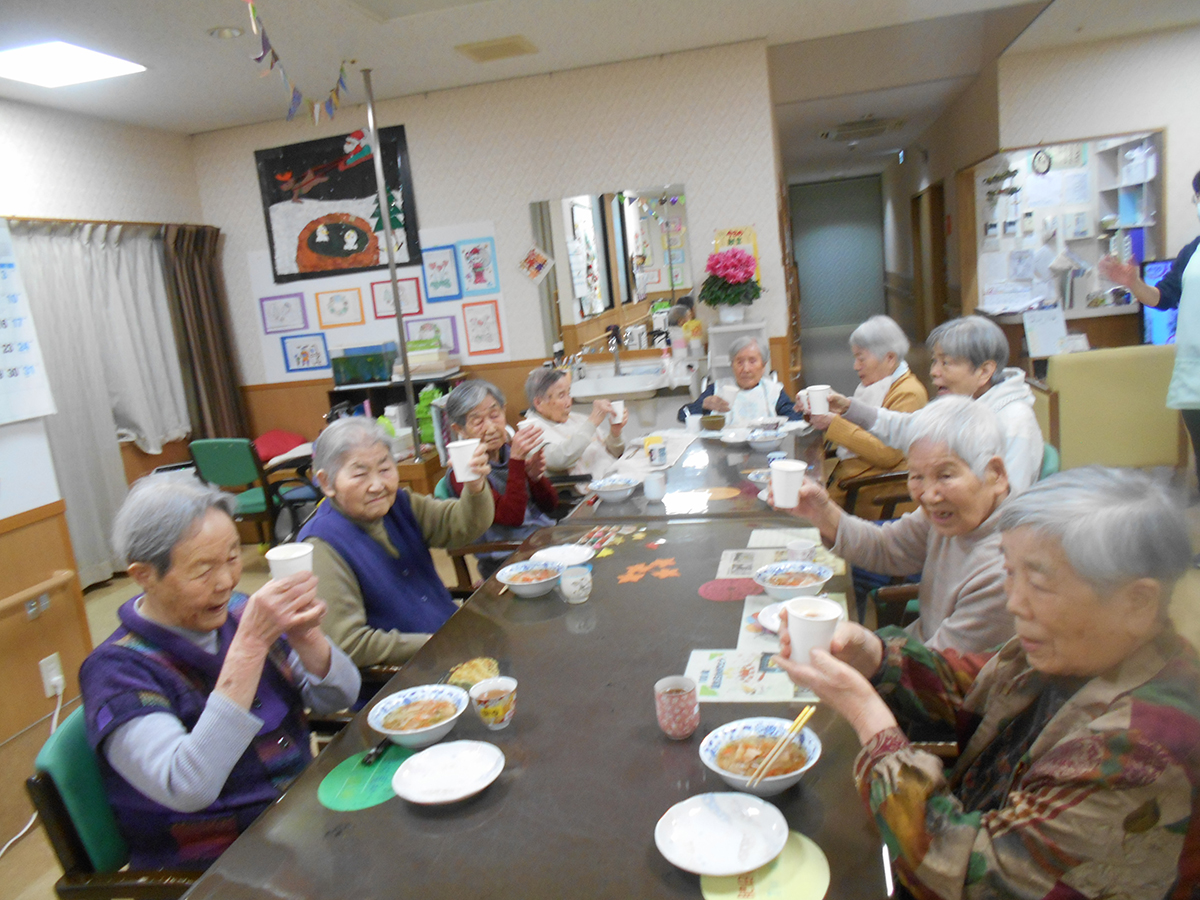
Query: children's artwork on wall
point(477, 265)
point(337, 309)
point(322, 206)
point(441, 327)
point(410, 298)
point(535, 264)
point(483, 327)
point(302, 352)
point(440, 266)
point(283, 313)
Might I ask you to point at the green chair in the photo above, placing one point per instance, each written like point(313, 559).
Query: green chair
point(1050, 462)
point(232, 463)
point(68, 794)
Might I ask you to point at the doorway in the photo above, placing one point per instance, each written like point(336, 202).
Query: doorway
point(838, 231)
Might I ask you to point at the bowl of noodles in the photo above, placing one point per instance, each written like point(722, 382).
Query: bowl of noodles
point(531, 578)
point(735, 750)
point(419, 716)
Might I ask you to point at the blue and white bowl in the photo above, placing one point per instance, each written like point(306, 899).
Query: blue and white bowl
point(615, 487)
point(419, 737)
point(507, 576)
point(759, 726)
point(765, 441)
point(764, 577)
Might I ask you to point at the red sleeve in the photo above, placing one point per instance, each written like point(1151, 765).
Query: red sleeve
point(510, 509)
point(545, 495)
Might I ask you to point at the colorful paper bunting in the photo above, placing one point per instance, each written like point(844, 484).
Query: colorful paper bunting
point(331, 102)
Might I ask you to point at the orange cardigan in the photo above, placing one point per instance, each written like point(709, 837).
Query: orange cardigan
point(874, 457)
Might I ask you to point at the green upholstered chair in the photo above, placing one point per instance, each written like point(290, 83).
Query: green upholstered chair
point(68, 793)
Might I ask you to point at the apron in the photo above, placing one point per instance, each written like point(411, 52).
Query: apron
point(752, 405)
point(1184, 392)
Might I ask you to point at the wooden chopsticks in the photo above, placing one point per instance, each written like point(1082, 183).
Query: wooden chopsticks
point(793, 730)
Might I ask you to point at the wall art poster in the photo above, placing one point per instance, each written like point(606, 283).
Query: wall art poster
point(477, 266)
point(536, 264)
point(305, 351)
point(322, 207)
point(483, 327)
point(410, 298)
point(336, 309)
point(441, 327)
point(283, 313)
point(440, 266)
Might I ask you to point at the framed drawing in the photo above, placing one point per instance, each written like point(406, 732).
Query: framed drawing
point(477, 265)
point(440, 268)
point(410, 298)
point(441, 327)
point(283, 313)
point(483, 327)
point(302, 352)
point(322, 209)
point(337, 309)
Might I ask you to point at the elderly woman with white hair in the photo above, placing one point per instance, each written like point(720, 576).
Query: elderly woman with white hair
point(195, 704)
point(957, 477)
point(575, 443)
point(1078, 764)
point(756, 397)
point(970, 356)
point(886, 382)
point(371, 543)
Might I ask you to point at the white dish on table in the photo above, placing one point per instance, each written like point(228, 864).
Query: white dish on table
point(765, 578)
point(721, 834)
point(768, 616)
point(762, 495)
point(735, 437)
point(448, 772)
point(419, 737)
point(767, 727)
point(513, 577)
point(615, 488)
point(564, 554)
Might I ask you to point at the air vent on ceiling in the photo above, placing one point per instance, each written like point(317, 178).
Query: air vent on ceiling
point(387, 10)
point(861, 129)
point(500, 48)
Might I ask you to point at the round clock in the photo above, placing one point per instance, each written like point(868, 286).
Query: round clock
point(1041, 162)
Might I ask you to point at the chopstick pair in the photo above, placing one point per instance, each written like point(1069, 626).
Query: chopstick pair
point(793, 730)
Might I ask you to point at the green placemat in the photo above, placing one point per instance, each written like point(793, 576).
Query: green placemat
point(351, 785)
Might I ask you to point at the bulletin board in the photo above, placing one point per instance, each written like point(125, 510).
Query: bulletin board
point(24, 388)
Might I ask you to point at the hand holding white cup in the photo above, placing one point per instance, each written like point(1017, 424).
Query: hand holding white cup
point(818, 399)
point(460, 459)
point(811, 622)
point(288, 559)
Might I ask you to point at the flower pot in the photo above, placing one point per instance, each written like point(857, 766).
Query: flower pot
point(731, 315)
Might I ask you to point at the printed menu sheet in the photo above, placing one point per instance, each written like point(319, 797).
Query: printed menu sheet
point(763, 538)
point(742, 676)
point(744, 563)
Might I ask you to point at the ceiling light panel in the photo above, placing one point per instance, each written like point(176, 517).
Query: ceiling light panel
point(58, 64)
point(500, 48)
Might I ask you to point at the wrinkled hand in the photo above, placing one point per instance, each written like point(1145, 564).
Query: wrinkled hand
point(716, 404)
point(535, 464)
point(525, 441)
point(814, 500)
point(821, 423)
point(481, 467)
point(617, 427)
point(282, 606)
point(838, 403)
point(601, 410)
point(1124, 274)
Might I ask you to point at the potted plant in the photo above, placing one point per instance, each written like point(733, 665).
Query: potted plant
point(730, 285)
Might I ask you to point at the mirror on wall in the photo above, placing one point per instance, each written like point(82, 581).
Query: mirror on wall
point(618, 253)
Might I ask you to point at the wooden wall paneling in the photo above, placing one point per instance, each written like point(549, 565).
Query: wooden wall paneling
point(138, 463)
point(781, 356)
point(297, 406)
point(965, 235)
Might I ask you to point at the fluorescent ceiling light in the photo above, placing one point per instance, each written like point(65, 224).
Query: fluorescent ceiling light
point(57, 64)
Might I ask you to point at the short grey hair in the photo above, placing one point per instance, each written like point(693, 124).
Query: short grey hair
point(879, 336)
point(974, 338)
point(969, 430)
point(540, 381)
point(742, 343)
point(469, 395)
point(1114, 525)
point(160, 511)
point(341, 438)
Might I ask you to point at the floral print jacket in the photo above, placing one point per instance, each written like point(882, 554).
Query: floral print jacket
point(1101, 804)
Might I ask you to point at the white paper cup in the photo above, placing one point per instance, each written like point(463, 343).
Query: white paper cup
point(288, 559)
point(696, 347)
point(818, 399)
point(786, 477)
point(655, 485)
point(618, 410)
point(575, 584)
point(728, 393)
point(811, 623)
point(692, 424)
point(802, 550)
point(460, 459)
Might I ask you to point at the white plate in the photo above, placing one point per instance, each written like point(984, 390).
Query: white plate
point(449, 772)
point(762, 495)
point(768, 616)
point(721, 834)
point(566, 554)
point(760, 476)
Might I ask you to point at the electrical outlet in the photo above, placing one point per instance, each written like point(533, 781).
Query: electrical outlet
point(52, 673)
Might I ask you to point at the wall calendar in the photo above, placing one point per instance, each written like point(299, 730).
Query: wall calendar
point(24, 389)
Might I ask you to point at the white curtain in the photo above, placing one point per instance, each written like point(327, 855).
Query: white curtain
point(98, 297)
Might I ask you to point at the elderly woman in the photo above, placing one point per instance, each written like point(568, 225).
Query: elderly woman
point(523, 496)
point(756, 397)
point(969, 359)
point(1078, 768)
point(195, 704)
point(886, 382)
point(575, 443)
point(956, 476)
point(371, 544)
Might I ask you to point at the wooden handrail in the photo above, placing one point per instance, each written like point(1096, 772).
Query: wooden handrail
point(16, 602)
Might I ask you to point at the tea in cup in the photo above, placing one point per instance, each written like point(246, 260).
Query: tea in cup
point(575, 584)
point(495, 699)
point(811, 622)
point(677, 706)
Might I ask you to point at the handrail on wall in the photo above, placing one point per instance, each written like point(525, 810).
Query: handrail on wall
point(16, 602)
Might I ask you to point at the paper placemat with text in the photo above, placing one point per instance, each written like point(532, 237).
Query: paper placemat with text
point(742, 676)
point(761, 538)
point(752, 636)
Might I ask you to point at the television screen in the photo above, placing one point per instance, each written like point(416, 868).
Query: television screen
point(1158, 325)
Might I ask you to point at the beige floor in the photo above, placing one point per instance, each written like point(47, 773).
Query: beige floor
point(30, 868)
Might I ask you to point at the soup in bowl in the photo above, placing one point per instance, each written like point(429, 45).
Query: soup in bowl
point(419, 716)
point(794, 578)
point(531, 578)
point(735, 750)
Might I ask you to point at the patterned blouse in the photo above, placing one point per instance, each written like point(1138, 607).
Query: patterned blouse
point(1098, 802)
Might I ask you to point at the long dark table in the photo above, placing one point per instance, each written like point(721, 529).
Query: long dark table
point(588, 773)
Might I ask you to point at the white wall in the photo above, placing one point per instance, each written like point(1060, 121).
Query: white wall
point(484, 153)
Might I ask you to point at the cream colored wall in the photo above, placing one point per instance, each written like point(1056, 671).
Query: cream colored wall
point(1110, 87)
point(701, 118)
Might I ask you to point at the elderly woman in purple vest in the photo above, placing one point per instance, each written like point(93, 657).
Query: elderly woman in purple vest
point(195, 704)
point(371, 544)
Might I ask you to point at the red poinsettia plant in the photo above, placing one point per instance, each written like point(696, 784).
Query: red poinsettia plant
point(730, 280)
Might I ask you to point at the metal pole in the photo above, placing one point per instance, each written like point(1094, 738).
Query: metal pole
point(386, 218)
